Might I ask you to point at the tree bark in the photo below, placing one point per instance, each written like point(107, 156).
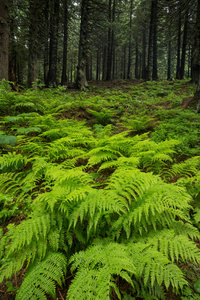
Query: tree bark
point(4, 39)
point(81, 80)
point(150, 48)
point(109, 51)
point(130, 41)
point(136, 60)
point(155, 48)
point(33, 42)
point(178, 47)
point(144, 43)
point(64, 67)
point(182, 68)
point(54, 21)
point(196, 58)
point(46, 42)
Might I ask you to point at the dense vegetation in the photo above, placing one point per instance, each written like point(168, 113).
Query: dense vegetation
point(100, 192)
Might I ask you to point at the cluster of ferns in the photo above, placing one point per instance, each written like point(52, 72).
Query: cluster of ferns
point(98, 211)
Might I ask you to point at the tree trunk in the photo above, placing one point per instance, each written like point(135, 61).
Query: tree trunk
point(64, 67)
point(155, 49)
point(178, 47)
point(144, 43)
point(4, 39)
point(81, 80)
point(54, 21)
point(109, 51)
point(182, 69)
point(150, 48)
point(130, 41)
point(136, 60)
point(169, 54)
point(46, 42)
point(196, 58)
point(33, 42)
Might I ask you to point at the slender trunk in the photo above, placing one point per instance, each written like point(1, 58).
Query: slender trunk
point(136, 60)
point(130, 41)
point(12, 53)
point(124, 63)
point(53, 43)
point(64, 67)
point(33, 43)
point(169, 54)
point(196, 58)
point(97, 65)
point(109, 51)
point(150, 48)
point(178, 48)
point(182, 68)
point(155, 49)
point(81, 80)
point(104, 64)
point(4, 39)
point(46, 42)
point(144, 43)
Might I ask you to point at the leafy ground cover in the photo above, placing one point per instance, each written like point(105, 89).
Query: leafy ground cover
point(100, 192)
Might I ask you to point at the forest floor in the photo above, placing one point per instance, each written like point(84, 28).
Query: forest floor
point(164, 110)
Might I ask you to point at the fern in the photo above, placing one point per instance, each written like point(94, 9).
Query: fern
point(96, 269)
point(12, 162)
point(40, 280)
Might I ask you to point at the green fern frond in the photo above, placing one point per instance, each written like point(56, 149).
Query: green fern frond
point(29, 230)
point(151, 202)
point(188, 168)
point(12, 162)
point(153, 267)
point(174, 246)
point(40, 280)
point(96, 268)
point(101, 154)
point(121, 162)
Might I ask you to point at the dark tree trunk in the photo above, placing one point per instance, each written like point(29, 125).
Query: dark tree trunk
point(178, 47)
point(144, 44)
point(196, 58)
point(4, 39)
point(124, 63)
point(12, 53)
point(54, 21)
point(182, 68)
point(150, 48)
point(104, 64)
point(130, 41)
point(33, 42)
point(136, 60)
point(81, 80)
point(109, 51)
point(169, 59)
point(169, 54)
point(196, 50)
point(46, 42)
point(155, 49)
point(97, 65)
point(64, 67)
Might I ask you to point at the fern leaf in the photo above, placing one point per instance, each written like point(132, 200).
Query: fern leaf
point(40, 280)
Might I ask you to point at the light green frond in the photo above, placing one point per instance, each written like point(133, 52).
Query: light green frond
point(96, 267)
point(12, 162)
point(41, 279)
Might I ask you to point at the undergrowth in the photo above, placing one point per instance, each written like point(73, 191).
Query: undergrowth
point(110, 198)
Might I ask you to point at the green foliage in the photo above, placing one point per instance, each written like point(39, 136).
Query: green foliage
point(8, 140)
point(110, 207)
point(41, 280)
